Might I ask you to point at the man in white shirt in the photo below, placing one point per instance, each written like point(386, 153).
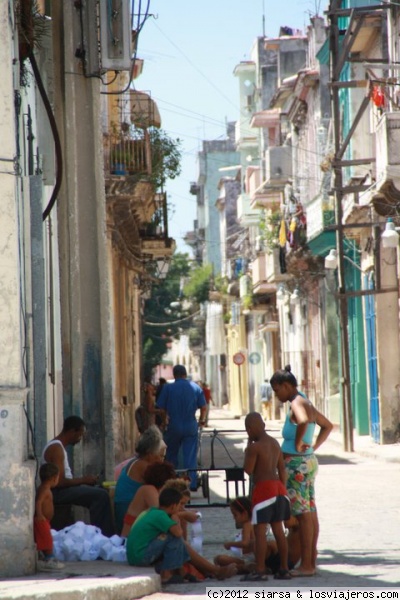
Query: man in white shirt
point(81, 491)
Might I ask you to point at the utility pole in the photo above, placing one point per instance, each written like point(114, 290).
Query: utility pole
point(348, 441)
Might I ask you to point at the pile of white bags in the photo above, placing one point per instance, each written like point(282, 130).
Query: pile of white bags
point(86, 542)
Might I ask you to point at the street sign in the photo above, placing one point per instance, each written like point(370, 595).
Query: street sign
point(254, 358)
point(239, 358)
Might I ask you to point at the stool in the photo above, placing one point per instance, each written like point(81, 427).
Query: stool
point(235, 474)
point(68, 514)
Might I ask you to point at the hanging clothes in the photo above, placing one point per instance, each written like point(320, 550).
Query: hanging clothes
point(282, 234)
point(282, 260)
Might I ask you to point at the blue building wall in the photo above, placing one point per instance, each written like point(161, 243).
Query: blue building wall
point(213, 160)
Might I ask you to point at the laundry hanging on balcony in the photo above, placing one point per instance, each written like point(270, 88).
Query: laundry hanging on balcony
point(282, 234)
point(378, 96)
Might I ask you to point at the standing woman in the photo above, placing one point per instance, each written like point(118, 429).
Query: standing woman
point(301, 463)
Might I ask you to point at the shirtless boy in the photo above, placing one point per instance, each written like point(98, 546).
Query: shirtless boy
point(44, 512)
point(264, 461)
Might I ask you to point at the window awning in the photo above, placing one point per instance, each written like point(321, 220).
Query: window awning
point(144, 110)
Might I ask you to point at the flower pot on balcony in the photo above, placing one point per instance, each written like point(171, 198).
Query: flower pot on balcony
point(119, 169)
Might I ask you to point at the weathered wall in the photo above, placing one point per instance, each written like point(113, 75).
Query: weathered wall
point(16, 472)
point(84, 271)
point(17, 549)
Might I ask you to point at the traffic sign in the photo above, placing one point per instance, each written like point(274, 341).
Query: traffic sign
point(239, 358)
point(254, 358)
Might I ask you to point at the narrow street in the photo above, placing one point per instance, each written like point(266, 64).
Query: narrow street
point(359, 517)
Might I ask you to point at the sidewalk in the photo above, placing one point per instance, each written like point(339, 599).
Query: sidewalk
point(365, 446)
point(103, 580)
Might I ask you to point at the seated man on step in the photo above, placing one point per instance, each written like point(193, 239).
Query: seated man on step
point(81, 491)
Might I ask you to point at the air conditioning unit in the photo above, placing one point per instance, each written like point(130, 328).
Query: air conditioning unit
point(115, 35)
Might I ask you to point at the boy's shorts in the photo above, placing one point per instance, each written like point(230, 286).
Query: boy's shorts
point(270, 502)
point(42, 534)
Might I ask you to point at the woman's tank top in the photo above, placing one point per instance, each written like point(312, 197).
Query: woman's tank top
point(289, 436)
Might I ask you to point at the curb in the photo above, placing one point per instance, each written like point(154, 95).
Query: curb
point(81, 581)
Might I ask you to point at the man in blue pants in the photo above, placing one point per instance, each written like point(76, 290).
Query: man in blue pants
point(180, 400)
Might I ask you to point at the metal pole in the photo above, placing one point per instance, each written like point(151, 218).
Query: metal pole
point(348, 442)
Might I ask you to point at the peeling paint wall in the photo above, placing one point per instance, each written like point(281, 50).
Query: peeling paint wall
point(17, 556)
point(16, 488)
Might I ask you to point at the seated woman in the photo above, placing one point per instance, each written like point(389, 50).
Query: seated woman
point(154, 477)
point(150, 449)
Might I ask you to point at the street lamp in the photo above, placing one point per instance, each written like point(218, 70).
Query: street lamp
point(162, 267)
point(295, 296)
point(331, 261)
point(390, 237)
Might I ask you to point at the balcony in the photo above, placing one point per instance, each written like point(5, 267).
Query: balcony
point(246, 214)
point(128, 168)
point(320, 213)
point(127, 150)
point(278, 166)
point(259, 276)
point(155, 241)
point(261, 196)
point(273, 268)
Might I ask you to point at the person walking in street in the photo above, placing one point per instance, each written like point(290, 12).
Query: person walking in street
point(266, 399)
point(81, 491)
point(207, 395)
point(301, 463)
point(180, 401)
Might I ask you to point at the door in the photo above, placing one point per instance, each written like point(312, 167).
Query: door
point(370, 315)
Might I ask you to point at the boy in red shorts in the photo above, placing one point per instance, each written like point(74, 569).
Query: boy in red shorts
point(44, 512)
point(270, 503)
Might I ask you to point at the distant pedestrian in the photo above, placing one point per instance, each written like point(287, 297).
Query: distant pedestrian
point(207, 395)
point(301, 463)
point(266, 399)
point(146, 413)
point(160, 415)
point(180, 401)
point(161, 383)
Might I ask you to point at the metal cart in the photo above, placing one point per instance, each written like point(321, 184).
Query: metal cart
point(234, 474)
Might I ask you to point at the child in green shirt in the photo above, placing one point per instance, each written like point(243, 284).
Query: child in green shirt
point(156, 538)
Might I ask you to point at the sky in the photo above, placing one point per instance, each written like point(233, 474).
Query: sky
point(190, 49)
